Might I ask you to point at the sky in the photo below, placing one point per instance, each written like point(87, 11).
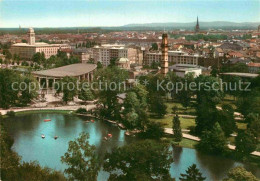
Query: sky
point(92, 13)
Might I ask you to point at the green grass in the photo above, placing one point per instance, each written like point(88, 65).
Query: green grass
point(181, 109)
point(184, 142)
point(42, 111)
point(241, 125)
point(167, 121)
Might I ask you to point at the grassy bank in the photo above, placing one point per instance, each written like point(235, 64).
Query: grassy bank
point(42, 111)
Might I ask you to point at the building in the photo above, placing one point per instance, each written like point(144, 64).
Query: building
point(107, 52)
point(79, 71)
point(27, 50)
point(123, 63)
point(197, 27)
point(254, 67)
point(174, 57)
point(181, 70)
point(164, 57)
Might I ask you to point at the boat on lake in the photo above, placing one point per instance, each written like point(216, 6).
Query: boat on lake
point(43, 136)
point(47, 120)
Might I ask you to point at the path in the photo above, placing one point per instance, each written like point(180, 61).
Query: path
point(195, 138)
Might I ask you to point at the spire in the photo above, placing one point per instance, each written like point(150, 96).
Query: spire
point(197, 27)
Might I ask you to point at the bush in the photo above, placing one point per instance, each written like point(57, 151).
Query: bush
point(154, 130)
point(10, 113)
point(81, 111)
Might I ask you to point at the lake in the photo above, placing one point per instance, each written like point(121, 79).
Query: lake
point(27, 130)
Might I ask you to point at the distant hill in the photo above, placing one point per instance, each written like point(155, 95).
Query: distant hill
point(191, 25)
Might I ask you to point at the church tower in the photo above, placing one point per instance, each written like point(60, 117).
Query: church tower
point(197, 27)
point(31, 36)
point(164, 59)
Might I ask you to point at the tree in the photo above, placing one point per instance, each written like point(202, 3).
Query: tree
point(213, 141)
point(8, 95)
point(67, 86)
point(184, 95)
point(226, 119)
point(112, 62)
point(253, 121)
point(81, 160)
point(99, 65)
point(192, 174)
point(177, 134)
point(143, 160)
point(154, 130)
point(208, 95)
point(28, 94)
point(154, 46)
point(157, 106)
point(245, 143)
point(114, 78)
point(85, 93)
point(39, 58)
point(240, 174)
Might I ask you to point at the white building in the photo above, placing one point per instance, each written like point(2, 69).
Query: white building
point(106, 52)
point(27, 50)
point(174, 57)
point(182, 69)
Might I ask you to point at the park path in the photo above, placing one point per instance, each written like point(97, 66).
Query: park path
point(195, 138)
point(69, 108)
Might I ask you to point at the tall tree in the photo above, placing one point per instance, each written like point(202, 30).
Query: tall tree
point(245, 142)
point(144, 160)
point(208, 95)
point(112, 82)
point(226, 119)
point(81, 160)
point(177, 134)
point(213, 141)
point(192, 174)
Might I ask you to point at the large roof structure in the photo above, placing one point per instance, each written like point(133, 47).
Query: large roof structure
point(72, 70)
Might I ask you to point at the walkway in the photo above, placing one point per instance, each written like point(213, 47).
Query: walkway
point(195, 138)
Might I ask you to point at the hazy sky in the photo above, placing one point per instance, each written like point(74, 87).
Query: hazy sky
point(67, 13)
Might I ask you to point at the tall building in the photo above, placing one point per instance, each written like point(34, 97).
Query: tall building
point(106, 52)
point(27, 50)
point(31, 36)
point(164, 57)
point(197, 27)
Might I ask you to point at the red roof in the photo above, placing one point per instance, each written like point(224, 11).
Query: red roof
point(254, 64)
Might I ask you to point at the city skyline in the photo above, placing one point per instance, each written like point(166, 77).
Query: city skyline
point(99, 13)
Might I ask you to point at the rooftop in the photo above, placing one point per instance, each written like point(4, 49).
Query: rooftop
point(249, 75)
point(68, 70)
point(37, 44)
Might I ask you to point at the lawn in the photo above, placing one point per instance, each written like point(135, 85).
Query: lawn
point(181, 109)
point(167, 121)
point(184, 142)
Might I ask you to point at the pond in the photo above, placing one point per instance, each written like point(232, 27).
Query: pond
point(27, 130)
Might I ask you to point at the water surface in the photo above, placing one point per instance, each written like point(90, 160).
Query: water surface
point(27, 129)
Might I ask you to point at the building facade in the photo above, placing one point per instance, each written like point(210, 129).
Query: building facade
point(174, 57)
point(105, 53)
point(27, 50)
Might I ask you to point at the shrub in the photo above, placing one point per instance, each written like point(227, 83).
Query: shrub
point(10, 113)
point(81, 110)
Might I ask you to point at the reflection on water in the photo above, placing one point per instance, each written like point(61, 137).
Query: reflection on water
point(27, 130)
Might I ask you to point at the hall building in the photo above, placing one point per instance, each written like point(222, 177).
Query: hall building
point(27, 50)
